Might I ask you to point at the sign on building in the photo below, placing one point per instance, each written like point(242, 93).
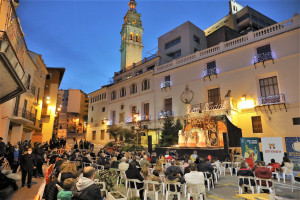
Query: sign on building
point(250, 148)
point(293, 151)
point(272, 148)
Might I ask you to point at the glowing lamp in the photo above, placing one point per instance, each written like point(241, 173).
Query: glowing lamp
point(59, 109)
point(243, 97)
point(48, 101)
point(246, 104)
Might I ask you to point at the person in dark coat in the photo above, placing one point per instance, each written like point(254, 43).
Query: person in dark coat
point(114, 163)
point(28, 163)
point(51, 190)
point(2, 147)
point(85, 188)
point(244, 171)
point(173, 167)
point(17, 157)
point(204, 166)
point(133, 173)
point(174, 177)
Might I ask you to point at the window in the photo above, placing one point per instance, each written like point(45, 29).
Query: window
point(103, 109)
point(172, 43)
point(38, 95)
point(268, 86)
point(214, 96)
point(167, 78)
point(296, 121)
point(211, 65)
point(150, 68)
point(146, 111)
point(196, 39)
point(264, 49)
point(123, 92)
point(48, 76)
point(131, 36)
point(133, 111)
point(113, 117)
point(146, 85)
point(94, 135)
point(102, 132)
point(175, 55)
point(133, 89)
point(195, 50)
point(242, 18)
point(139, 72)
point(168, 104)
point(113, 95)
point(264, 53)
point(137, 37)
point(256, 124)
point(92, 108)
point(92, 120)
point(28, 81)
point(121, 117)
point(122, 107)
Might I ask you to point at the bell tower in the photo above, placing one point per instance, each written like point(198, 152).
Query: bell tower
point(132, 35)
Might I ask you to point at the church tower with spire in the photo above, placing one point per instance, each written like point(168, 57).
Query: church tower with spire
point(132, 35)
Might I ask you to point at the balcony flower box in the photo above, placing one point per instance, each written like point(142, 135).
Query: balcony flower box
point(115, 196)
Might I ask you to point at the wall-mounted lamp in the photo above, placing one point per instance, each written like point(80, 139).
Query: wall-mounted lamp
point(243, 97)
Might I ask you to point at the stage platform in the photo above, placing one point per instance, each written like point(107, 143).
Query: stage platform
point(203, 152)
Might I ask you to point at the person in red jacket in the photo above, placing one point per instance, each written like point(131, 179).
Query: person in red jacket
point(275, 165)
point(263, 172)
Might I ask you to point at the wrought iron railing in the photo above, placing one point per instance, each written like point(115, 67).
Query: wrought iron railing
point(165, 114)
point(209, 72)
point(21, 112)
point(272, 99)
point(145, 117)
point(263, 57)
point(166, 84)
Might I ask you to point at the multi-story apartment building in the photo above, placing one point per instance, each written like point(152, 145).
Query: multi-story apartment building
point(13, 52)
point(49, 109)
point(252, 79)
point(72, 109)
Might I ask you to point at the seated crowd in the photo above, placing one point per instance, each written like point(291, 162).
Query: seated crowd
point(79, 173)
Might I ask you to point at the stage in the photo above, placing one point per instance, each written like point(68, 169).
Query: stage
point(203, 152)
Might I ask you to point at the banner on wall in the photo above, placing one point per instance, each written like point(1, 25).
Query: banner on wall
point(250, 148)
point(272, 148)
point(293, 150)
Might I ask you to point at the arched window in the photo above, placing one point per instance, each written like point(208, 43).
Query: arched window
point(137, 37)
point(133, 88)
point(123, 92)
point(131, 36)
point(113, 95)
point(146, 84)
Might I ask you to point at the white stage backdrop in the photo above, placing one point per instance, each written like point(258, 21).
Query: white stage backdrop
point(272, 148)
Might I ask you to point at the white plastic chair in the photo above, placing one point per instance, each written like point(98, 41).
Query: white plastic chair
point(250, 179)
point(175, 192)
point(135, 189)
point(122, 176)
point(97, 182)
point(229, 166)
point(153, 191)
point(294, 182)
point(275, 172)
point(195, 190)
point(236, 166)
point(286, 172)
point(209, 180)
point(269, 185)
point(216, 174)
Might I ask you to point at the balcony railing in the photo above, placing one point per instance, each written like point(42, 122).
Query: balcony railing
point(262, 57)
point(21, 112)
point(145, 117)
point(273, 99)
point(166, 84)
point(209, 72)
point(165, 114)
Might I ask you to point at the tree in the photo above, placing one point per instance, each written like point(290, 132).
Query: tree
point(114, 131)
point(127, 134)
point(169, 135)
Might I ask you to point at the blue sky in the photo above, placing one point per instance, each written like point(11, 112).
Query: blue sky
point(84, 35)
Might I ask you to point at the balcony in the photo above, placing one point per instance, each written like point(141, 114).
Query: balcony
point(262, 57)
point(166, 84)
point(165, 114)
point(269, 100)
point(209, 72)
point(145, 117)
point(272, 100)
point(20, 115)
point(31, 88)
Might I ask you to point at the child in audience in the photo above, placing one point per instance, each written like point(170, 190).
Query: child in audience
point(66, 193)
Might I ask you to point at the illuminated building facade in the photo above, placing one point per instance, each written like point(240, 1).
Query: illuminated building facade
point(253, 79)
point(72, 109)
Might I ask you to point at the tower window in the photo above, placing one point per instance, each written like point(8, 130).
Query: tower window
point(131, 36)
point(137, 37)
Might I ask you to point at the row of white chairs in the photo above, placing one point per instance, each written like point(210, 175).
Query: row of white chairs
point(260, 183)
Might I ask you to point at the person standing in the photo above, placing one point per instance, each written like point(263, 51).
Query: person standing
point(28, 163)
point(16, 162)
point(2, 147)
